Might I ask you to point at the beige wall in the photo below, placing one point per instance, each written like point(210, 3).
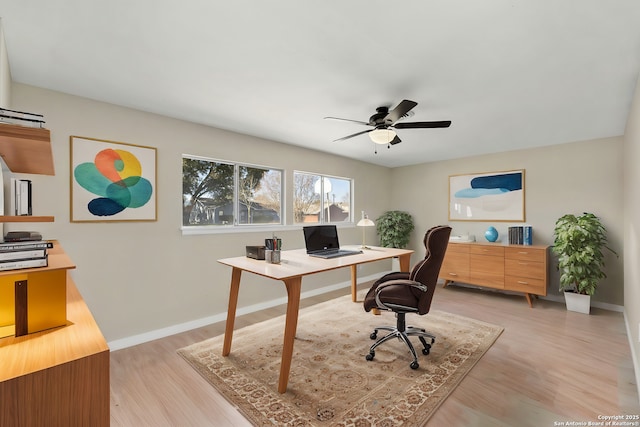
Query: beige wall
point(5, 74)
point(567, 178)
point(141, 277)
point(631, 207)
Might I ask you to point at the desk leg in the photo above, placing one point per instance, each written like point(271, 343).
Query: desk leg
point(231, 312)
point(405, 262)
point(293, 305)
point(354, 282)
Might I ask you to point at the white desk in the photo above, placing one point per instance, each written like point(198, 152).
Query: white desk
point(296, 264)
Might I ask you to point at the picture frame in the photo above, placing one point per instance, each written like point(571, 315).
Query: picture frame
point(489, 196)
point(112, 181)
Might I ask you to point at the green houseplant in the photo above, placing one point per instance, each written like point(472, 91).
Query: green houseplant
point(394, 229)
point(578, 242)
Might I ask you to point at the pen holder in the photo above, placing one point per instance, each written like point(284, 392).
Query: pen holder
point(272, 257)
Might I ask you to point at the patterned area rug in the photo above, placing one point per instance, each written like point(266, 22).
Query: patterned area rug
point(331, 383)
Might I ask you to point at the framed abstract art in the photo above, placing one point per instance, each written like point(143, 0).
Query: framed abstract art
point(491, 196)
point(112, 181)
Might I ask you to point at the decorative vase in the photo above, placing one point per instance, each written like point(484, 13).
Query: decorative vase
point(491, 234)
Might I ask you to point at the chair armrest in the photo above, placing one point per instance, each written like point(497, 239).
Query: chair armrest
point(403, 282)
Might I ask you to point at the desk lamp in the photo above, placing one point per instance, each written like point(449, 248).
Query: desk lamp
point(364, 222)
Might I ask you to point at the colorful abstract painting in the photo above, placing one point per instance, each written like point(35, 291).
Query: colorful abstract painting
point(112, 181)
point(493, 196)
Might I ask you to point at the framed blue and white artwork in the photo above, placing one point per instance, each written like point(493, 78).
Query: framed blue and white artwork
point(490, 196)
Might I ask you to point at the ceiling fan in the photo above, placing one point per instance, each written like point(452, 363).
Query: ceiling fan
point(383, 123)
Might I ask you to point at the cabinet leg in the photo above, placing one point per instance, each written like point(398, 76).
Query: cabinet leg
point(528, 296)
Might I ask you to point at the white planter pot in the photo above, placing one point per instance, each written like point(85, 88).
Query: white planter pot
point(395, 264)
point(578, 302)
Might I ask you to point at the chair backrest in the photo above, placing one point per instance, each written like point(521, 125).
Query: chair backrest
point(426, 271)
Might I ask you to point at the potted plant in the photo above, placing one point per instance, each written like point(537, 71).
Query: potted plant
point(578, 242)
point(394, 229)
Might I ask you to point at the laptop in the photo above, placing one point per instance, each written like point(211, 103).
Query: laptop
point(322, 242)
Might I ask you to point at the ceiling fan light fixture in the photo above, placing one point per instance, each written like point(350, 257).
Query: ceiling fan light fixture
point(382, 136)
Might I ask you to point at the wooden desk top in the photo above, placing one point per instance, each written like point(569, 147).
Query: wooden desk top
point(34, 352)
point(295, 263)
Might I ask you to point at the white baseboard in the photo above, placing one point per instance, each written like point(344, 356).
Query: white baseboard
point(596, 304)
point(634, 355)
point(119, 344)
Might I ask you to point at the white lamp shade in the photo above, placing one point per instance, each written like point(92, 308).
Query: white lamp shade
point(382, 136)
point(366, 222)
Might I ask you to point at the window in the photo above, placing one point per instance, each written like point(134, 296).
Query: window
point(321, 199)
point(219, 193)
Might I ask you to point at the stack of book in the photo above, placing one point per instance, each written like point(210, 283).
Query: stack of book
point(521, 235)
point(21, 118)
point(17, 255)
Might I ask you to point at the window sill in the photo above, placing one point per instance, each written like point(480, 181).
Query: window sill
point(214, 229)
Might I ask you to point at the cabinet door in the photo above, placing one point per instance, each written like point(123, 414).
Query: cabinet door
point(528, 285)
point(455, 266)
point(487, 270)
point(524, 268)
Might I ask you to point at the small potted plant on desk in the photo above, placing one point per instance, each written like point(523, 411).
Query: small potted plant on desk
point(578, 242)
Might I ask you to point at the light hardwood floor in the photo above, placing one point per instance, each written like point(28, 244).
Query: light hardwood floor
point(548, 367)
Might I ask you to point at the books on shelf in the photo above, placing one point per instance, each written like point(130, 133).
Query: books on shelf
point(19, 196)
point(521, 235)
point(19, 255)
point(24, 263)
point(21, 118)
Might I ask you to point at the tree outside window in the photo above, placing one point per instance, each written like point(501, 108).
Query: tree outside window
point(227, 194)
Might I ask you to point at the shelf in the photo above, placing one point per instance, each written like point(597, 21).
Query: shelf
point(25, 218)
point(26, 150)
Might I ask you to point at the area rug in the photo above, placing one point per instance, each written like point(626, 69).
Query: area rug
point(331, 383)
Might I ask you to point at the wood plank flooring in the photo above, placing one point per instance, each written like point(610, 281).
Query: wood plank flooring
point(549, 367)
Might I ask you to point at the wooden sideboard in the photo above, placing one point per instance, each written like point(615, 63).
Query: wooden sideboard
point(515, 268)
point(58, 376)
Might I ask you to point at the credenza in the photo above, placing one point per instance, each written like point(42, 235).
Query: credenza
point(516, 268)
point(58, 376)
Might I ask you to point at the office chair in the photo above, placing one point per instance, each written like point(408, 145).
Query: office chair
point(403, 293)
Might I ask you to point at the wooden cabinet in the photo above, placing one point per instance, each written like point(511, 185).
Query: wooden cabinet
point(59, 376)
point(508, 267)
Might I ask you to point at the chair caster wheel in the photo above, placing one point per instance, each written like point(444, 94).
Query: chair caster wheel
point(370, 356)
point(426, 350)
point(414, 365)
point(373, 336)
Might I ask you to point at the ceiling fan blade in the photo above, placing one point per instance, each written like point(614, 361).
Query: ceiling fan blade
point(402, 109)
point(348, 120)
point(395, 140)
point(351, 136)
point(418, 125)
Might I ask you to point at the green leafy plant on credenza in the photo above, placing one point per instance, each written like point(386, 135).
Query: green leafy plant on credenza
point(578, 242)
point(394, 229)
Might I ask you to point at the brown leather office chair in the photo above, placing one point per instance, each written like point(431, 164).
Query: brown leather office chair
point(403, 293)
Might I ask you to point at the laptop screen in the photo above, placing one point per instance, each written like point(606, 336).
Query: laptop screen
point(319, 237)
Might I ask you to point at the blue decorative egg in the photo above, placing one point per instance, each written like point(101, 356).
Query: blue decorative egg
point(491, 234)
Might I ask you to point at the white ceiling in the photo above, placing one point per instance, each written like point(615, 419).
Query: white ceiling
point(509, 74)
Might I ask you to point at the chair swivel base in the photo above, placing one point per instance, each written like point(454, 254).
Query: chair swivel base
point(402, 335)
